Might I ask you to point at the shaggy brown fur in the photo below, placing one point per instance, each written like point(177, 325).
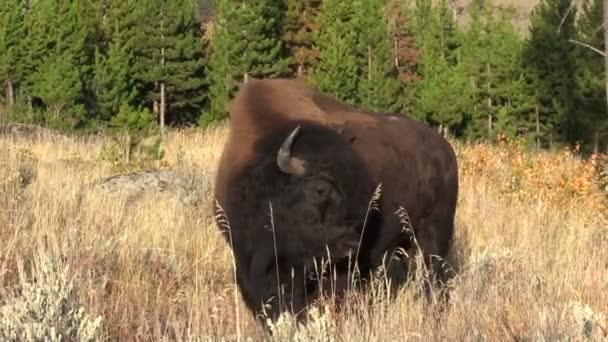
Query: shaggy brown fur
point(351, 152)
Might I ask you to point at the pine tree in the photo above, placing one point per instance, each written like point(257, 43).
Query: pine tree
point(443, 92)
point(123, 17)
point(173, 60)
point(442, 95)
point(378, 84)
point(94, 14)
point(491, 55)
point(550, 60)
point(245, 43)
point(115, 83)
point(58, 84)
point(116, 63)
point(337, 70)
point(39, 40)
point(405, 54)
point(12, 35)
point(591, 72)
point(135, 130)
point(58, 44)
point(297, 29)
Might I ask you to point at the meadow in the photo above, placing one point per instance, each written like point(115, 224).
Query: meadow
point(76, 260)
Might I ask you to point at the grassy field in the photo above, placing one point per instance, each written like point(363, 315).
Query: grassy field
point(531, 237)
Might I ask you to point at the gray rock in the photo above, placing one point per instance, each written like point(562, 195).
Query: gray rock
point(135, 184)
point(30, 132)
point(187, 187)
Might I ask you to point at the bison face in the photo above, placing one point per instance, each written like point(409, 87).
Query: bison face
point(316, 196)
point(303, 198)
point(316, 199)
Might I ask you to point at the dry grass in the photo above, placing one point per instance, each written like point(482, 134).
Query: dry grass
point(531, 238)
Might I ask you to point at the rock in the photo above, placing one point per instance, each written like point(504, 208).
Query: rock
point(30, 132)
point(134, 184)
point(188, 187)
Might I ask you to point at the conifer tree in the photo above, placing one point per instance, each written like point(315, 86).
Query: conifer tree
point(172, 60)
point(591, 72)
point(551, 63)
point(442, 96)
point(405, 54)
point(435, 29)
point(39, 40)
point(115, 83)
point(336, 39)
point(443, 92)
point(12, 35)
point(378, 84)
point(297, 29)
point(118, 59)
point(355, 54)
point(58, 61)
point(491, 57)
point(58, 84)
point(245, 43)
point(123, 17)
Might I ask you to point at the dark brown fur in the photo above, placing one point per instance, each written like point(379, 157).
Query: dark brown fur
point(351, 149)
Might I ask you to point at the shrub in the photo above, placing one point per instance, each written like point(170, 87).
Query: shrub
point(136, 138)
point(45, 307)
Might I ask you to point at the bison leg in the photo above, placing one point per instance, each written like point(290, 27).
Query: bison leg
point(397, 268)
point(434, 238)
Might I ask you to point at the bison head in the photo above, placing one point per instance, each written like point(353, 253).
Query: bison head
point(318, 193)
point(308, 192)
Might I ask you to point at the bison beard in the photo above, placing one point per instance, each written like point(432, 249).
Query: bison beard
point(296, 188)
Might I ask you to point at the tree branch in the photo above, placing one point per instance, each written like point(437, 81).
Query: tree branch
point(588, 47)
point(563, 20)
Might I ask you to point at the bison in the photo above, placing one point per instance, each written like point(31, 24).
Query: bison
point(304, 177)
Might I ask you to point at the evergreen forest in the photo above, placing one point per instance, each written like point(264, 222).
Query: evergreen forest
point(93, 65)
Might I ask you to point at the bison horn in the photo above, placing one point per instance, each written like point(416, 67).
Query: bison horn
point(285, 161)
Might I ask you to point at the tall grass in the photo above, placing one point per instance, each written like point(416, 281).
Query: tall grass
point(531, 237)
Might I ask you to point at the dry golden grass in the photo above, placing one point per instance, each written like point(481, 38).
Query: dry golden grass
point(531, 237)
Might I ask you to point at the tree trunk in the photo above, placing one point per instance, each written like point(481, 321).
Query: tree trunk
point(443, 130)
point(396, 52)
point(162, 107)
point(596, 141)
point(128, 148)
point(605, 21)
point(537, 127)
point(489, 101)
point(10, 94)
point(369, 63)
point(162, 83)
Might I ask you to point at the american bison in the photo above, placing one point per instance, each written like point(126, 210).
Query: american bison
point(304, 176)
